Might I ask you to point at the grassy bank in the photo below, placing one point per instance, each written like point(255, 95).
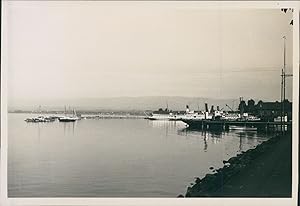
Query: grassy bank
point(265, 171)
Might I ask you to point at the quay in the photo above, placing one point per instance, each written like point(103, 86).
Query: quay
point(110, 116)
point(225, 124)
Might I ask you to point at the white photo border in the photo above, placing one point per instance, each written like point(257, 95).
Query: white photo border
point(4, 200)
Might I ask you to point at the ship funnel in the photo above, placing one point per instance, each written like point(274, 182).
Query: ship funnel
point(218, 108)
point(187, 109)
point(212, 108)
point(206, 107)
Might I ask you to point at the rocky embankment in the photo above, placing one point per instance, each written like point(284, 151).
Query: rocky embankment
point(264, 171)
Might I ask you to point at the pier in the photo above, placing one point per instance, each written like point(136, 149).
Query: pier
point(224, 125)
point(111, 116)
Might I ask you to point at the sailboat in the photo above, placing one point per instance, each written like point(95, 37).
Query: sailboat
point(40, 118)
point(71, 118)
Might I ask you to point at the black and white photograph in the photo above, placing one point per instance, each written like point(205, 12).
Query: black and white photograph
point(148, 100)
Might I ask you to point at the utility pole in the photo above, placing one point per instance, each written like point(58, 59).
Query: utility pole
point(283, 86)
point(281, 101)
point(282, 95)
point(284, 64)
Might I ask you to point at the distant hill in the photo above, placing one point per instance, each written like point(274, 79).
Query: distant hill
point(125, 103)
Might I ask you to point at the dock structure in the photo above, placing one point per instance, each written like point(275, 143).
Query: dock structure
point(111, 116)
point(225, 124)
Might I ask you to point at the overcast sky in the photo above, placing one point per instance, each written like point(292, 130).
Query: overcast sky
point(76, 49)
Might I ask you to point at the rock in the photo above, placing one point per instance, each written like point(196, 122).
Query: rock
point(208, 184)
point(198, 180)
point(208, 176)
point(180, 195)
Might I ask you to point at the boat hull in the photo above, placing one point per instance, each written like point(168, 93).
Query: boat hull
point(67, 120)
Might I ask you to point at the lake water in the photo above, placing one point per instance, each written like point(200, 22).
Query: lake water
point(114, 157)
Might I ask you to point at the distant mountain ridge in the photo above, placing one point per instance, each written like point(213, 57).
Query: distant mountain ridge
point(126, 103)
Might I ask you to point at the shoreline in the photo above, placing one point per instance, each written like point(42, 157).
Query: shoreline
point(264, 171)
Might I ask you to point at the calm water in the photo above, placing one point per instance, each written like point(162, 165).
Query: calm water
point(113, 157)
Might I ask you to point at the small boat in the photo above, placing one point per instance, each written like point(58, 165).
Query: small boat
point(40, 119)
point(30, 120)
point(66, 118)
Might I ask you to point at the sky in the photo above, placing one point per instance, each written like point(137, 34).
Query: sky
point(71, 49)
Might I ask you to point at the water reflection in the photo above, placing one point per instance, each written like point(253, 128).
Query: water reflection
point(69, 127)
point(241, 144)
point(39, 129)
point(167, 125)
point(195, 132)
point(214, 137)
point(39, 133)
point(205, 143)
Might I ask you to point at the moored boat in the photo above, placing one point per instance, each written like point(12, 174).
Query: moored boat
point(68, 119)
point(71, 118)
point(40, 119)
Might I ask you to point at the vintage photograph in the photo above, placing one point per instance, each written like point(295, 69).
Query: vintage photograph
point(119, 99)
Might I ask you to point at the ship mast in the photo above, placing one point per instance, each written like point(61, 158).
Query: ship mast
point(167, 105)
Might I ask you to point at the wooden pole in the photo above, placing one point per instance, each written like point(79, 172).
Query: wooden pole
point(284, 65)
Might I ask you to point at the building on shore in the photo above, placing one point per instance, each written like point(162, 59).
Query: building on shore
point(267, 110)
